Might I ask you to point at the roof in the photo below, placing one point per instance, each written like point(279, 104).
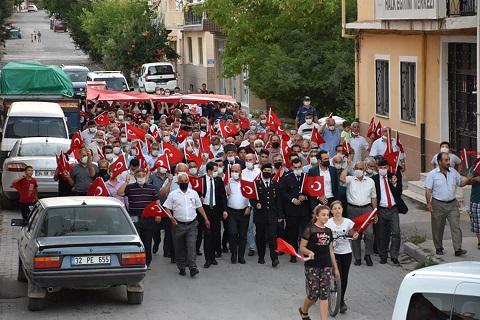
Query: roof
point(157, 64)
point(78, 201)
point(464, 269)
point(36, 109)
point(105, 74)
point(44, 140)
point(75, 68)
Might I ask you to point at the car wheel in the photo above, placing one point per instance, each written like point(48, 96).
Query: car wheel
point(21, 273)
point(5, 203)
point(134, 297)
point(36, 304)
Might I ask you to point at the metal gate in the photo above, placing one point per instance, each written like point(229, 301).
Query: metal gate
point(462, 99)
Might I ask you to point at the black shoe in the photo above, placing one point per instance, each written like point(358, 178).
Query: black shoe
point(460, 252)
point(233, 259)
point(218, 255)
point(343, 308)
point(368, 260)
point(383, 260)
point(172, 260)
point(293, 259)
point(241, 261)
point(182, 272)
point(225, 250)
point(214, 262)
point(149, 268)
point(261, 260)
point(251, 253)
point(357, 262)
point(199, 253)
point(166, 255)
point(439, 252)
point(194, 272)
point(275, 263)
point(395, 261)
point(207, 265)
point(155, 248)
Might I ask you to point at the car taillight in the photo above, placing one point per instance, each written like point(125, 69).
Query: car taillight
point(16, 166)
point(129, 259)
point(46, 262)
point(174, 76)
point(146, 79)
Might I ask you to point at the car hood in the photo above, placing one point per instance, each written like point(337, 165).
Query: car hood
point(76, 241)
point(78, 85)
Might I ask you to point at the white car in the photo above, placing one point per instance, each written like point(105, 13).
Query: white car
point(32, 8)
point(115, 80)
point(157, 75)
point(38, 152)
point(446, 291)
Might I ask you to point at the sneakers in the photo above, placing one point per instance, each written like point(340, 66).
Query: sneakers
point(460, 252)
point(194, 272)
point(182, 272)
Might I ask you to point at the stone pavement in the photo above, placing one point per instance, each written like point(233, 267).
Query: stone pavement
point(8, 245)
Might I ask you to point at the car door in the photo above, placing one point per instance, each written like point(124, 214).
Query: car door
point(28, 243)
point(466, 301)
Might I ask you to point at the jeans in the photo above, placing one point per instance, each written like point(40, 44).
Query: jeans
point(251, 232)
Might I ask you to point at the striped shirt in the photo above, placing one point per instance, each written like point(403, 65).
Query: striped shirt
point(139, 197)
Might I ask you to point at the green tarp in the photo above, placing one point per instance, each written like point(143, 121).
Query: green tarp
point(24, 78)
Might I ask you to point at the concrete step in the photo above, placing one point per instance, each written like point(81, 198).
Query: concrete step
point(417, 186)
point(414, 196)
point(423, 176)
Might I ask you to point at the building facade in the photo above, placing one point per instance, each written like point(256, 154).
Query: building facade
point(417, 73)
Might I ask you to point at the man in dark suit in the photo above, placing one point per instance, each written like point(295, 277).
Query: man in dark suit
point(296, 204)
point(268, 213)
point(214, 200)
point(330, 176)
point(390, 204)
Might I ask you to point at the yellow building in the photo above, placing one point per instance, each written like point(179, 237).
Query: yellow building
point(416, 72)
point(200, 44)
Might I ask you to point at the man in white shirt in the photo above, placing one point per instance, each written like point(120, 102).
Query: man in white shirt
point(89, 133)
point(238, 208)
point(250, 173)
point(455, 161)
point(306, 129)
point(361, 198)
point(97, 146)
point(358, 143)
point(183, 204)
point(379, 146)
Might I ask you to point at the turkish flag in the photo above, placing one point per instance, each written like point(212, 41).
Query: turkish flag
point(249, 189)
point(102, 119)
point(476, 164)
point(244, 123)
point(182, 135)
point(174, 155)
point(148, 145)
point(161, 162)
point(363, 221)
point(140, 156)
point(346, 147)
point(156, 135)
point(273, 121)
point(228, 130)
point(192, 156)
point(393, 158)
point(287, 248)
point(197, 183)
point(317, 137)
point(76, 142)
point(134, 133)
point(313, 186)
point(227, 174)
point(371, 127)
point(98, 188)
point(119, 166)
point(389, 148)
point(153, 209)
point(378, 130)
point(399, 144)
point(285, 154)
point(465, 154)
point(204, 143)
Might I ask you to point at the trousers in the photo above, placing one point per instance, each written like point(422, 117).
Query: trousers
point(184, 239)
point(212, 236)
point(266, 233)
point(238, 228)
point(343, 264)
point(148, 228)
point(295, 227)
point(388, 232)
point(367, 234)
point(441, 212)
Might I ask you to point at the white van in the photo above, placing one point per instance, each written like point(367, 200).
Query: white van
point(32, 119)
point(157, 75)
point(446, 291)
point(115, 80)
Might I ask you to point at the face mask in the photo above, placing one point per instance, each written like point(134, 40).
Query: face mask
point(144, 111)
point(155, 153)
point(308, 121)
point(263, 121)
point(258, 150)
point(331, 128)
point(276, 145)
point(193, 171)
point(358, 173)
point(133, 152)
point(183, 186)
point(383, 172)
point(102, 172)
point(92, 130)
point(249, 165)
point(120, 118)
point(141, 181)
point(99, 109)
point(123, 140)
point(116, 150)
point(215, 174)
point(266, 175)
point(338, 166)
point(325, 163)
point(313, 160)
point(253, 128)
point(444, 149)
point(166, 139)
point(369, 171)
point(186, 111)
point(235, 175)
point(305, 153)
point(277, 165)
point(297, 172)
point(223, 110)
point(99, 140)
point(231, 159)
point(109, 156)
point(162, 170)
point(84, 159)
point(306, 103)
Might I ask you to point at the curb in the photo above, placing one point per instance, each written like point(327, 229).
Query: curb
point(418, 254)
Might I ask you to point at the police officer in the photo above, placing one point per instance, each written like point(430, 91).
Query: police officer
point(268, 212)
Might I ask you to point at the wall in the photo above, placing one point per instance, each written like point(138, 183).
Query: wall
point(365, 10)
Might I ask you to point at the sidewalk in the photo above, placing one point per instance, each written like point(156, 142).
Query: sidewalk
point(8, 245)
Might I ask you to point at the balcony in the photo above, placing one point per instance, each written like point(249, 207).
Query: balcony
point(197, 20)
point(461, 8)
point(192, 16)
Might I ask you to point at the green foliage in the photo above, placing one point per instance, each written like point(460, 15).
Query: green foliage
point(292, 48)
point(6, 9)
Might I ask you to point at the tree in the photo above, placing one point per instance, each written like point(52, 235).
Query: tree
point(6, 9)
point(126, 34)
point(291, 48)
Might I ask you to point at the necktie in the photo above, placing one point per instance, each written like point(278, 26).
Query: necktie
point(267, 184)
point(298, 179)
point(210, 200)
point(387, 192)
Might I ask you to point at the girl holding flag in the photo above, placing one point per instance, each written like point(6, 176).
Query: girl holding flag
point(317, 245)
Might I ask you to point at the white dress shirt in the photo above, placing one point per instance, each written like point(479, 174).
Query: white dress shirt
point(360, 192)
point(183, 205)
point(206, 199)
point(358, 144)
point(250, 175)
point(327, 182)
point(379, 147)
point(383, 198)
point(236, 200)
point(443, 187)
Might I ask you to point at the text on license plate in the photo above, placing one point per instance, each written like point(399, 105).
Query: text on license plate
point(87, 260)
point(44, 173)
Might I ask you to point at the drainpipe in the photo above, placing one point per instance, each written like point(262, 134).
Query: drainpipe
point(423, 142)
point(344, 22)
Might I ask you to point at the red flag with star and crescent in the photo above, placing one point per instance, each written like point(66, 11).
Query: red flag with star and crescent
point(161, 162)
point(76, 142)
point(119, 166)
point(393, 159)
point(174, 155)
point(364, 220)
point(313, 186)
point(98, 188)
point(197, 183)
point(378, 130)
point(346, 147)
point(317, 137)
point(244, 123)
point(134, 133)
point(371, 127)
point(192, 156)
point(249, 189)
point(102, 119)
point(228, 130)
point(154, 209)
point(273, 121)
point(140, 156)
point(399, 144)
point(182, 135)
point(156, 135)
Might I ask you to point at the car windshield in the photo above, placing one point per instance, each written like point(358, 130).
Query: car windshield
point(77, 76)
point(23, 127)
point(159, 70)
point(44, 149)
point(85, 221)
point(116, 84)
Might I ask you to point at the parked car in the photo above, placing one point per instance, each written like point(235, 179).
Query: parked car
point(39, 153)
point(446, 291)
point(79, 243)
point(78, 75)
point(157, 75)
point(115, 80)
point(32, 8)
point(59, 26)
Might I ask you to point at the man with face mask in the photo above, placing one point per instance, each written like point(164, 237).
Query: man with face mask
point(331, 134)
point(306, 146)
point(88, 134)
point(278, 169)
point(371, 167)
point(305, 109)
point(330, 180)
point(268, 213)
point(153, 155)
point(231, 157)
point(275, 147)
point(250, 173)
point(455, 161)
point(108, 153)
point(358, 143)
point(306, 129)
point(103, 170)
point(296, 204)
point(361, 198)
point(81, 175)
point(216, 148)
point(312, 159)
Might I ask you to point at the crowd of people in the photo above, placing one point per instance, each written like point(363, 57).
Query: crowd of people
point(221, 146)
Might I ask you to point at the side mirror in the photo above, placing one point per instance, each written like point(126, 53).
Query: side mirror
point(17, 223)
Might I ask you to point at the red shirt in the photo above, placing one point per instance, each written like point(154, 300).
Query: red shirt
point(27, 188)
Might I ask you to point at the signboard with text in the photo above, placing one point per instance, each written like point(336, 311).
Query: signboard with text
point(410, 9)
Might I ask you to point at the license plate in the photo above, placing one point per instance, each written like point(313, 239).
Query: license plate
point(44, 173)
point(89, 260)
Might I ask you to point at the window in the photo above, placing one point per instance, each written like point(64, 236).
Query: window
point(190, 49)
point(22, 127)
point(408, 91)
point(77, 76)
point(200, 51)
point(44, 149)
point(160, 70)
point(439, 306)
point(382, 88)
point(115, 84)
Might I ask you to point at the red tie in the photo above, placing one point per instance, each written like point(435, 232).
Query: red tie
point(387, 191)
